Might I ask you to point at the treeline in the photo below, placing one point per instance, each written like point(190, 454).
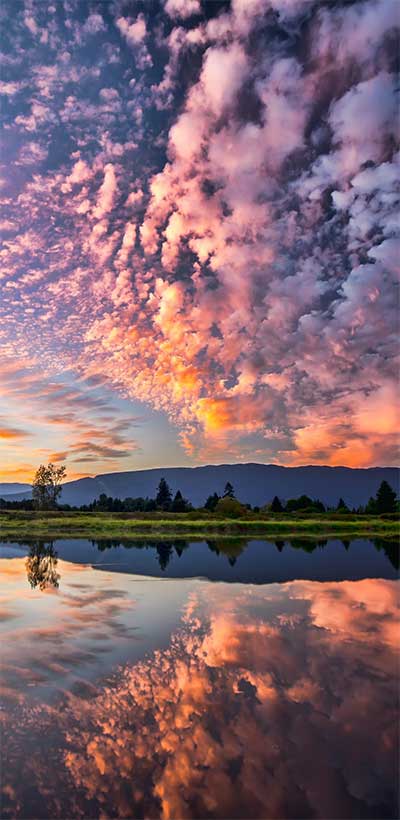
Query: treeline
point(383, 502)
point(164, 501)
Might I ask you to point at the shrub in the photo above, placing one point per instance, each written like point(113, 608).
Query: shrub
point(230, 507)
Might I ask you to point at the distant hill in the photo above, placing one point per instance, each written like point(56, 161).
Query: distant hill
point(16, 487)
point(253, 483)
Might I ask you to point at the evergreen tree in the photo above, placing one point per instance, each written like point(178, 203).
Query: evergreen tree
point(319, 506)
point(179, 503)
point(164, 495)
point(385, 499)
point(229, 491)
point(212, 502)
point(276, 505)
point(342, 506)
point(370, 508)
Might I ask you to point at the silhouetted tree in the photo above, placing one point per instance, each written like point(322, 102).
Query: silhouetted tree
point(46, 487)
point(385, 499)
point(229, 491)
point(25, 504)
point(276, 505)
point(370, 507)
point(179, 503)
point(305, 504)
point(319, 506)
point(342, 506)
point(164, 495)
point(212, 502)
point(150, 505)
point(300, 503)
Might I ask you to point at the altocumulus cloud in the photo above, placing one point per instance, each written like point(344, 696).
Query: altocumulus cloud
point(200, 207)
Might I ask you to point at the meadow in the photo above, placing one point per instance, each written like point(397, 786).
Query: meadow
point(58, 524)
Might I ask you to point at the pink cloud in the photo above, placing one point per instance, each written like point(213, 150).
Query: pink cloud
point(182, 8)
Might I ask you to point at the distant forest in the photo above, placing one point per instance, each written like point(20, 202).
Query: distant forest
point(45, 496)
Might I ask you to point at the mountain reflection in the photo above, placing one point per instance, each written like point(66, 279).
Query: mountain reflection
point(263, 705)
point(41, 566)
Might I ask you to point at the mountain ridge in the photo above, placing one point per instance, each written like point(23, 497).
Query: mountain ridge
point(7, 487)
point(254, 483)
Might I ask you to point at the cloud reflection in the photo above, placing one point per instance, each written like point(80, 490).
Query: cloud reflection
point(264, 704)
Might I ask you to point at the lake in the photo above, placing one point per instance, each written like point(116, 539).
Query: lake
point(215, 679)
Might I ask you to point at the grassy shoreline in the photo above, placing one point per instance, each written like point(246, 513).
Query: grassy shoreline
point(52, 525)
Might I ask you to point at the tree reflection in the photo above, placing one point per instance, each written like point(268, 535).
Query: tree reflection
point(164, 553)
point(279, 545)
point(41, 566)
point(231, 547)
point(391, 550)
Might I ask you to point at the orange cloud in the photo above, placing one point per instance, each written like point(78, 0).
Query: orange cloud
point(12, 433)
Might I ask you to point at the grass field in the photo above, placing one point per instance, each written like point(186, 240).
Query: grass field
point(51, 525)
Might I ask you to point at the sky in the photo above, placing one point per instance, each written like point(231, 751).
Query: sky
point(199, 214)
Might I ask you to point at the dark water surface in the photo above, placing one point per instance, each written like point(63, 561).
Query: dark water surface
point(218, 679)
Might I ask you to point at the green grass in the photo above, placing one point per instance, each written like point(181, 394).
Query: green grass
point(58, 524)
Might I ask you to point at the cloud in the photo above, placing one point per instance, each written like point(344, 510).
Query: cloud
point(73, 416)
point(106, 193)
point(223, 73)
point(11, 433)
point(8, 89)
point(134, 32)
point(94, 23)
point(182, 8)
point(32, 153)
point(217, 240)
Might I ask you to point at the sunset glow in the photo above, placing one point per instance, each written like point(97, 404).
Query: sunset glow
point(199, 216)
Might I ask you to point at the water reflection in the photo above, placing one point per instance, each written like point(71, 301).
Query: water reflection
point(266, 702)
point(390, 548)
point(227, 559)
point(232, 548)
point(41, 566)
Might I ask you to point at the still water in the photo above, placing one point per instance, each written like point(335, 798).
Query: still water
point(208, 680)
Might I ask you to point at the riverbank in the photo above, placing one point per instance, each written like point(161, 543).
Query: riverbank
point(58, 524)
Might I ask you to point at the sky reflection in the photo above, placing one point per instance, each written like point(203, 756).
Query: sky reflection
point(225, 701)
